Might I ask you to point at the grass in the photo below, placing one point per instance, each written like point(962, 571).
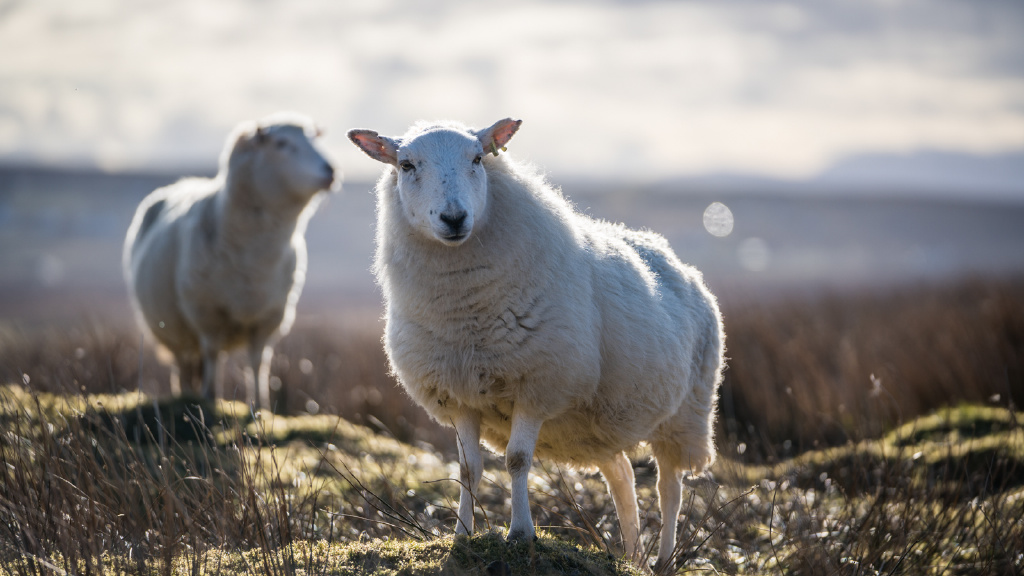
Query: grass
point(916, 470)
point(120, 484)
point(486, 553)
point(805, 373)
point(229, 493)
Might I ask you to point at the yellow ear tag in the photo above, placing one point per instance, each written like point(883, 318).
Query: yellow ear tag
point(494, 149)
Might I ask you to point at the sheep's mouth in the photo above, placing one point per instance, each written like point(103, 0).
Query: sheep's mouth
point(330, 184)
point(454, 239)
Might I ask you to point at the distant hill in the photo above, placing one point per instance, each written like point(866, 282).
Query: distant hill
point(920, 174)
point(930, 171)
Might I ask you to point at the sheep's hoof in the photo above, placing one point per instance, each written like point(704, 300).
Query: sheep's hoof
point(520, 535)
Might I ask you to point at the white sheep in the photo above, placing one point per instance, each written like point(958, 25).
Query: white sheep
point(217, 264)
point(537, 329)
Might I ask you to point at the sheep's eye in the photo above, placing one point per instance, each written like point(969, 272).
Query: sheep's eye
point(281, 144)
point(479, 158)
point(406, 165)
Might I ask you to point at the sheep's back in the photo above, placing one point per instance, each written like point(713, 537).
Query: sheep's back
point(152, 254)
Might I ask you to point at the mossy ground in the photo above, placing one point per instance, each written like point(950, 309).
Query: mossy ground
point(219, 489)
point(485, 553)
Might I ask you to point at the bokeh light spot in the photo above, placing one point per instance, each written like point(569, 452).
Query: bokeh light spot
point(718, 219)
point(754, 254)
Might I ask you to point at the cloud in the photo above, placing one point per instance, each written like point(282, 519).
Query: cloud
point(630, 90)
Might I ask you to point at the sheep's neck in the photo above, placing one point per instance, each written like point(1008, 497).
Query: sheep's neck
point(253, 227)
point(471, 290)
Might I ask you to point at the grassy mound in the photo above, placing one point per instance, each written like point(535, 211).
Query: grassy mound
point(120, 484)
point(967, 451)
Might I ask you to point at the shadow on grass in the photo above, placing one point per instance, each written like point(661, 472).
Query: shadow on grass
point(486, 554)
point(174, 420)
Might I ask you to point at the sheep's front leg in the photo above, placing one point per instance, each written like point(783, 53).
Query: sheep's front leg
point(618, 474)
point(471, 466)
point(258, 382)
point(518, 459)
point(187, 369)
point(213, 384)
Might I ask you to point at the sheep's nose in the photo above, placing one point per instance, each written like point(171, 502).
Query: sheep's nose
point(327, 178)
point(454, 220)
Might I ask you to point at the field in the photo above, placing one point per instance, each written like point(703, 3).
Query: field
point(859, 433)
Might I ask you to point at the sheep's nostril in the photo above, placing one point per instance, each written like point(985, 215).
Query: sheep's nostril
point(454, 220)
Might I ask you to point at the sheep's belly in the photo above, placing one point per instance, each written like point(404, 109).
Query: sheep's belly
point(570, 440)
point(582, 437)
point(586, 420)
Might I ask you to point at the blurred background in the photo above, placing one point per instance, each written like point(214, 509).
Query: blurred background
point(788, 149)
point(852, 142)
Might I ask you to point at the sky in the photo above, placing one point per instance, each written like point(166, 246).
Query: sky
point(628, 90)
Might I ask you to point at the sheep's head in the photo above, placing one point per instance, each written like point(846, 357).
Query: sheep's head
point(280, 155)
point(441, 179)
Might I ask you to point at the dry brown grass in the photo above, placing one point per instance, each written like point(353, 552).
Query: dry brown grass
point(802, 373)
point(834, 368)
point(809, 482)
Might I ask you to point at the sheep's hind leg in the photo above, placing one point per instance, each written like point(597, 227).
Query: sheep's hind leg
point(185, 372)
point(670, 497)
point(467, 430)
point(618, 474)
point(518, 459)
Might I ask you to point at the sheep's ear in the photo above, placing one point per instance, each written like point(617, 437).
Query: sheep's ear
point(495, 137)
point(380, 148)
point(244, 134)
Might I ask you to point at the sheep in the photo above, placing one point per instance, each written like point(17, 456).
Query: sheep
point(217, 264)
point(539, 330)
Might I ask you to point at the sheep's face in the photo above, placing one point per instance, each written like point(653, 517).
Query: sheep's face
point(284, 159)
point(442, 184)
